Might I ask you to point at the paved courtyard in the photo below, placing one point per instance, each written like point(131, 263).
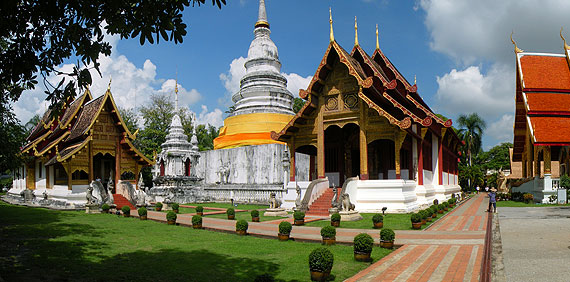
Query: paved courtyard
point(536, 243)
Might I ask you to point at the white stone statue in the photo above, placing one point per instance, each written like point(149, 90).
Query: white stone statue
point(89, 195)
point(298, 200)
point(346, 204)
point(274, 203)
point(335, 202)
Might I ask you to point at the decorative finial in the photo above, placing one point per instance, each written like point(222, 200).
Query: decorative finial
point(262, 16)
point(566, 47)
point(377, 42)
point(176, 95)
point(355, 32)
point(330, 21)
point(414, 79)
point(109, 86)
point(517, 49)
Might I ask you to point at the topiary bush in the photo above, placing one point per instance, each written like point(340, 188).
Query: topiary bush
point(199, 209)
point(254, 213)
point(445, 204)
point(171, 216)
point(415, 218)
point(328, 232)
point(321, 259)
point(377, 218)
point(335, 217)
point(142, 211)
point(197, 219)
point(126, 210)
point(387, 234)
point(440, 207)
point(175, 206)
point(433, 210)
point(285, 227)
point(231, 211)
point(158, 205)
point(241, 225)
point(299, 215)
point(363, 243)
point(424, 214)
point(105, 207)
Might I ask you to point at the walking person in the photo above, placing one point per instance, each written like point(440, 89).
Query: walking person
point(492, 200)
point(477, 189)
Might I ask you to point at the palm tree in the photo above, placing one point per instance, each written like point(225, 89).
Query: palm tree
point(471, 132)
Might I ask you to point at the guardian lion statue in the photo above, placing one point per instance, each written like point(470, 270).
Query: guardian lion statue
point(274, 203)
point(346, 204)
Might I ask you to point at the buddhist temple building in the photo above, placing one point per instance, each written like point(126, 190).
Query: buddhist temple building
point(542, 120)
point(369, 131)
point(263, 103)
point(87, 141)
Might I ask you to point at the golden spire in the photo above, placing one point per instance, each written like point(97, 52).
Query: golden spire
point(377, 42)
point(330, 21)
point(566, 47)
point(176, 94)
point(109, 86)
point(414, 79)
point(517, 49)
point(355, 32)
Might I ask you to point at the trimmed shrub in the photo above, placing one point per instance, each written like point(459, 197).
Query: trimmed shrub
point(424, 214)
point(158, 205)
point(440, 207)
point(415, 218)
point(126, 210)
point(321, 259)
point(387, 234)
point(231, 211)
point(285, 227)
point(377, 218)
point(105, 207)
point(445, 204)
point(142, 211)
point(196, 220)
point(175, 206)
point(328, 232)
point(299, 215)
point(528, 198)
point(171, 216)
point(433, 210)
point(199, 209)
point(241, 225)
point(363, 243)
point(254, 213)
point(335, 217)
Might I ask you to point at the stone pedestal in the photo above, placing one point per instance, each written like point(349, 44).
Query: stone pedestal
point(93, 208)
point(350, 216)
point(275, 212)
point(333, 211)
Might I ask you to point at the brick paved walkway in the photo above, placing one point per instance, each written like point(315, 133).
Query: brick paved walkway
point(449, 250)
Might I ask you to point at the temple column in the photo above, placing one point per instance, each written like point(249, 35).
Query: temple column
point(363, 142)
point(423, 132)
point(440, 156)
point(69, 175)
point(90, 160)
point(414, 157)
point(547, 168)
point(320, 142)
point(292, 173)
point(536, 163)
point(435, 164)
point(400, 137)
point(117, 163)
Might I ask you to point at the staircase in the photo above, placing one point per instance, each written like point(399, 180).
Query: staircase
point(321, 206)
point(121, 201)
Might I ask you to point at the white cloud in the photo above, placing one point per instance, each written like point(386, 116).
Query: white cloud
point(296, 82)
point(501, 130)
point(214, 117)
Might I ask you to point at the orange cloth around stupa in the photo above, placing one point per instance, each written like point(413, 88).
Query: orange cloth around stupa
point(250, 129)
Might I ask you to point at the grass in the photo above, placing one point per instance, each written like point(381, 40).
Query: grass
point(229, 205)
point(46, 245)
point(513, 204)
point(392, 221)
point(246, 216)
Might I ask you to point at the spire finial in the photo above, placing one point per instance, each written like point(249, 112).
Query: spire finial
point(176, 95)
point(331, 21)
point(566, 47)
point(414, 79)
point(109, 86)
point(262, 16)
point(355, 32)
point(377, 42)
point(517, 49)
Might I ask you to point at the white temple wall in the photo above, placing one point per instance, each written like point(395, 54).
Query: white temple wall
point(397, 195)
point(40, 175)
point(435, 159)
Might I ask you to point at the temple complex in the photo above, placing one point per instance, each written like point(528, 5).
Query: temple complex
point(263, 103)
point(66, 152)
point(368, 130)
point(542, 120)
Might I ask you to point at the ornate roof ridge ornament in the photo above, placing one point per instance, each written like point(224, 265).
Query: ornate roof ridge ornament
point(415, 79)
point(262, 16)
point(517, 49)
point(566, 47)
point(109, 86)
point(331, 22)
point(176, 95)
point(377, 42)
point(355, 32)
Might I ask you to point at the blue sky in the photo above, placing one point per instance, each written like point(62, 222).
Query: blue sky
point(459, 50)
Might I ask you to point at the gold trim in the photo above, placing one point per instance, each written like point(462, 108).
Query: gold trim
point(517, 49)
point(377, 42)
point(331, 22)
point(355, 32)
point(51, 146)
point(566, 47)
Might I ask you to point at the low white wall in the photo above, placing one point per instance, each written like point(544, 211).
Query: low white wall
point(290, 196)
point(397, 195)
point(425, 194)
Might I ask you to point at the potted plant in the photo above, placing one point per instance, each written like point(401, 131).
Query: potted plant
point(433, 211)
point(175, 207)
point(363, 244)
point(440, 208)
point(445, 206)
point(241, 227)
point(105, 208)
point(329, 235)
point(416, 219)
point(335, 219)
point(378, 221)
point(320, 264)
point(284, 230)
point(255, 215)
point(299, 218)
point(528, 198)
point(171, 217)
point(387, 237)
point(142, 213)
point(424, 216)
point(200, 210)
point(126, 211)
point(231, 213)
point(197, 222)
point(158, 206)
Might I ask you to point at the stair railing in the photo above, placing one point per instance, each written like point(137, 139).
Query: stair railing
point(315, 189)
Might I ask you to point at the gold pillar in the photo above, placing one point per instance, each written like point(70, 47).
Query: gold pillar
point(547, 160)
point(536, 162)
point(363, 142)
point(117, 162)
point(90, 160)
point(320, 141)
point(69, 175)
point(400, 137)
point(291, 146)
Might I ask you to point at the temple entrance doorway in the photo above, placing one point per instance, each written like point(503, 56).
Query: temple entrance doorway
point(103, 165)
point(342, 153)
point(312, 152)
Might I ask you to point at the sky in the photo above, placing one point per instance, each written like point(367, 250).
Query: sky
point(459, 50)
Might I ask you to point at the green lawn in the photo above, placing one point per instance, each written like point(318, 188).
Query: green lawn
point(512, 204)
point(229, 205)
point(392, 221)
point(46, 245)
point(246, 216)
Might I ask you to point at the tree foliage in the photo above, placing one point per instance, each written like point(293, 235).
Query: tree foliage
point(13, 136)
point(298, 104)
point(471, 132)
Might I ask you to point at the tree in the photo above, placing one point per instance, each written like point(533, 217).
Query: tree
point(36, 36)
point(298, 104)
point(13, 137)
point(130, 118)
point(31, 124)
point(497, 158)
point(471, 131)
